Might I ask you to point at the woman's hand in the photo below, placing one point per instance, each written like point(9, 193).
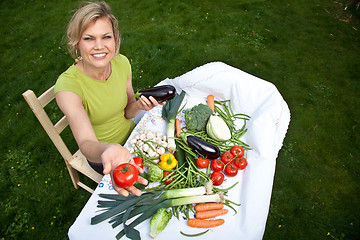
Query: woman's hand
point(115, 155)
point(148, 104)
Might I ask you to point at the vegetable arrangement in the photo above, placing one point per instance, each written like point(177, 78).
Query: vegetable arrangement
point(188, 172)
point(119, 208)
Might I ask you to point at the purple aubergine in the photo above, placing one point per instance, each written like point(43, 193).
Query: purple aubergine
point(202, 147)
point(160, 93)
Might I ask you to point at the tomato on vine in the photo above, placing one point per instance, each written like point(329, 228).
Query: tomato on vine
point(241, 163)
point(231, 170)
point(227, 157)
point(125, 175)
point(202, 162)
point(217, 165)
point(217, 178)
point(237, 151)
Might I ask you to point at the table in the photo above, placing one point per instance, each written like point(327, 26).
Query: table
point(270, 117)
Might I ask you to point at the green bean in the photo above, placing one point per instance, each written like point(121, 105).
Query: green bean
point(228, 204)
point(194, 235)
point(187, 211)
point(147, 141)
point(175, 212)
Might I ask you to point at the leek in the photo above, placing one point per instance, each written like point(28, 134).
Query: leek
point(218, 197)
point(120, 208)
point(169, 113)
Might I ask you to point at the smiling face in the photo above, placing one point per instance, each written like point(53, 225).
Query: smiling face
point(97, 45)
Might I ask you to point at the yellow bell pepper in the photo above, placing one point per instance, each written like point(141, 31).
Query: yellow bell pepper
point(167, 161)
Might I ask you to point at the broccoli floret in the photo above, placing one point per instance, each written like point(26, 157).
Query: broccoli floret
point(197, 117)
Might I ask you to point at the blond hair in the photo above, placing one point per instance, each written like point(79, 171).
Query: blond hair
point(87, 13)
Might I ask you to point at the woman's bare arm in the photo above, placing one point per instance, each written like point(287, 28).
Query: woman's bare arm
point(109, 154)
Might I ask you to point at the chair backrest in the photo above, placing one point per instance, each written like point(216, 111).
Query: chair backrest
point(74, 162)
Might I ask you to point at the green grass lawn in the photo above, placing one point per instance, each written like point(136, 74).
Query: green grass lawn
point(309, 49)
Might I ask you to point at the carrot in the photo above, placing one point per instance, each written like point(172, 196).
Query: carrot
point(177, 127)
point(211, 213)
point(200, 223)
point(208, 206)
point(210, 102)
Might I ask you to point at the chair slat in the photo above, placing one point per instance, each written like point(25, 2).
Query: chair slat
point(47, 96)
point(61, 124)
point(74, 163)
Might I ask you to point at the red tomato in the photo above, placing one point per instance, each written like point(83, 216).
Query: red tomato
point(231, 170)
point(125, 175)
point(217, 178)
point(202, 162)
point(241, 163)
point(237, 151)
point(227, 157)
point(169, 179)
point(217, 165)
point(138, 161)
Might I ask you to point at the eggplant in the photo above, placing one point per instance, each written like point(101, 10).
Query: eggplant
point(160, 93)
point(204, 148)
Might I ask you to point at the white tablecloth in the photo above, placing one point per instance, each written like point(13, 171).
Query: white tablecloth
point(270, 117)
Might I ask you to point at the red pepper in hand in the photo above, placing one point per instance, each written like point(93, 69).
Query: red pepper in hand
point(138, 161)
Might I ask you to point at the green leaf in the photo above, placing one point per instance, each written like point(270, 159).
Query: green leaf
point(171, 107)
point(116, 210)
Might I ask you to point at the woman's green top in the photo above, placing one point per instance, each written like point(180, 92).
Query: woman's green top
point(104, 101)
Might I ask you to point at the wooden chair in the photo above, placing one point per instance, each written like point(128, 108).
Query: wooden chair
point(74, 162)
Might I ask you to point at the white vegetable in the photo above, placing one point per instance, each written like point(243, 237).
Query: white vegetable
point(145, 148)
point(140, 143)
point(160, 151)
point(150, 136)
point(149, 143)
point(151, 153)
point(133, 141)
point(164, 143)
point(142, 136)
point(217, 129)
point(158, 135)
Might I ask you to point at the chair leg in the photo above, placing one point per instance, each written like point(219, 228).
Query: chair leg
point(85, 187)
point(73, 175)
